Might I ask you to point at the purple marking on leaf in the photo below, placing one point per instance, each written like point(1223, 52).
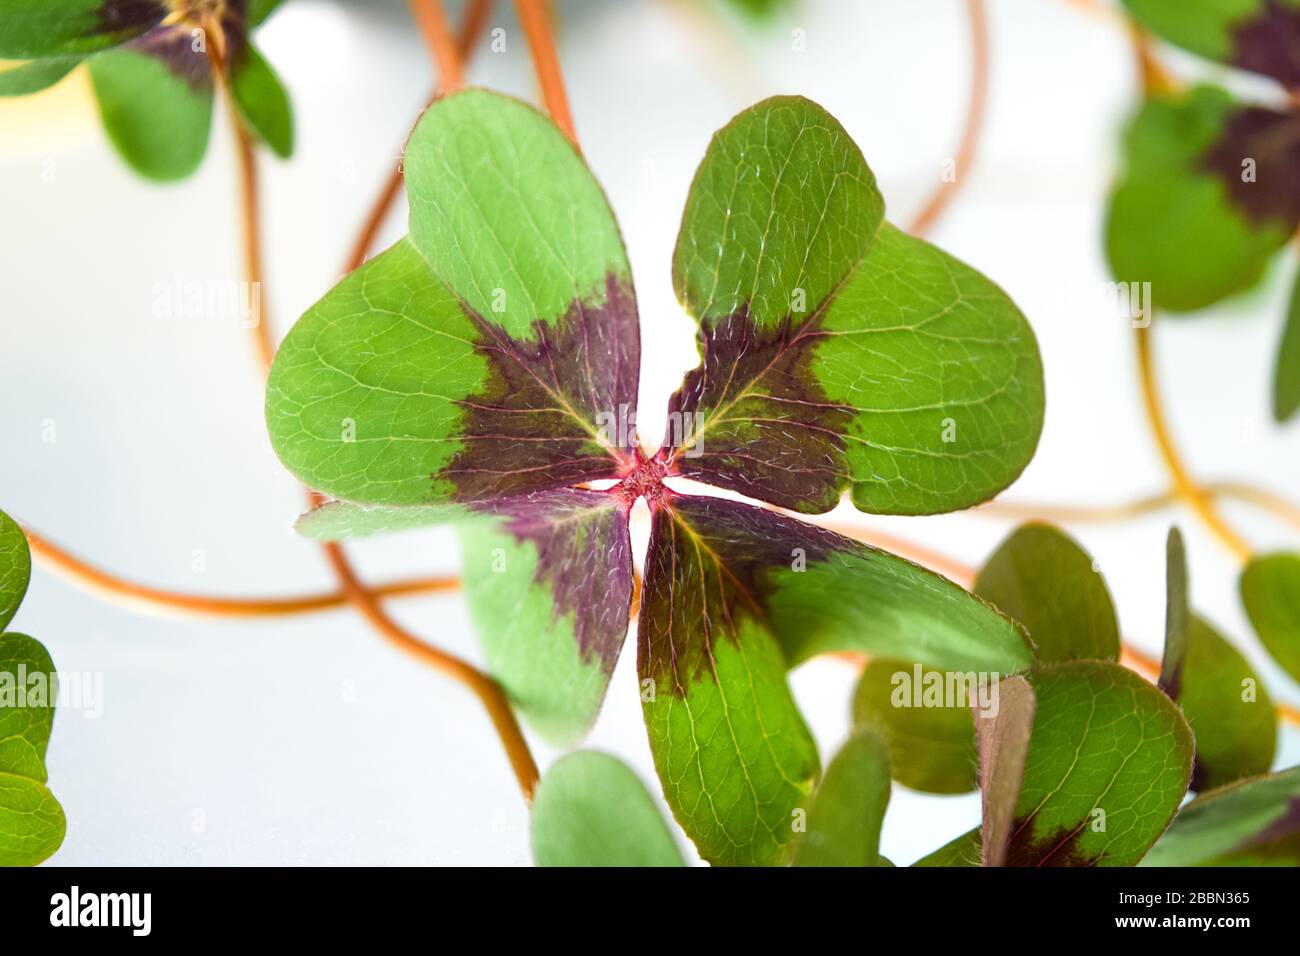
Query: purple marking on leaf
point(1057, 848)
point(584, 557)
point(1270, 43)
point(548, 400)
point(174, 46)
point(798, 428)
point(234, 23)
point(708, 566)
point(116, 16)
point(1272, 139)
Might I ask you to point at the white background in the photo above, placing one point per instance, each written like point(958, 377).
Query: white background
point(309, 740)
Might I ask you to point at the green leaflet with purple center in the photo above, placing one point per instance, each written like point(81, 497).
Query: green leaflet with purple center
point(550, 589)
point(155, 99)
point(734, 595)
point(1109, 762)
point(480, 366)
point(1262, 36)
point(838, 354)
point(548, 577)
point(493, 352)
point(1254, 822)
point(1210, 190)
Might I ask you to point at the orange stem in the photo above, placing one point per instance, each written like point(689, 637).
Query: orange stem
point(950, 568)
point(432, 21)
point(970, 135)
point(1261, 498)
point(487, 690)
point(1184, 483)
point(246, 165)
point(541, 44)
point(480, 684)
point(1155, 79)
point(375, 219)
point(143, 597)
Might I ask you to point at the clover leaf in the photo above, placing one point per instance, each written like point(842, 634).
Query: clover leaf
point(149, 66)
point(1248, 823)
point(843, 823)
point(838, 353)
point(1225, 703)
point(1206, 198)
point(1108, 764)
point(591, 810)
point(1042, 579)
point(483, 372)
point(1270, 590)
point(1209, 190)
point(32, 824)
point(931, 748)
point(1255, 35)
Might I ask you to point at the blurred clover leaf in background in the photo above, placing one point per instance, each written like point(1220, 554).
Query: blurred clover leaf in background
point(152, 66)
point(1209, 193)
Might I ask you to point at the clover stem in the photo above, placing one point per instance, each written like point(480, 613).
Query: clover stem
point(246, 166)
point(476, 17)
point(484, 687)
point(480, 684)
point(1261, 498)
point(950, 568)
point(1186, 486)
point(432, 21)
point(252, 243)
point(535, 20)
point(970, 134)
point(141, 597)
point(1155, 79)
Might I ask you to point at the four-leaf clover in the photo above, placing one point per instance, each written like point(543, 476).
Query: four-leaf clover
point(483, 371)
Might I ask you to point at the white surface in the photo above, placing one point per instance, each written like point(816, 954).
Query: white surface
point(310, 741)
